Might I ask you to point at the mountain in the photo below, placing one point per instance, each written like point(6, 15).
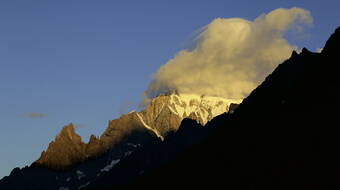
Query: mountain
point(70, 163)
point(66, 149)
point(163, 114)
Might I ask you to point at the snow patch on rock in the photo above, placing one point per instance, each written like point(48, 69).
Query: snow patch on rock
point(80, 174)
point(110, 166)
point(150, 128)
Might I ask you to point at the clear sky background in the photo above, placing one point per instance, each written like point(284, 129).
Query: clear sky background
point(87, 62)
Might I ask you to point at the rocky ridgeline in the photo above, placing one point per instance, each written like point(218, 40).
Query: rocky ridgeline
point(162, 115)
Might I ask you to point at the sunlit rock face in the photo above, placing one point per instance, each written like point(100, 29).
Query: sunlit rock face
point(163, 114)
point(65, 150)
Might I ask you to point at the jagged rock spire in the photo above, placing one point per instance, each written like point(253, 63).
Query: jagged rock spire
point(65, 150)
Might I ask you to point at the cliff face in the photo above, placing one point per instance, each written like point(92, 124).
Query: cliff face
point(66, 149)
point(119, 128)
point(163, 115)
point(165, 112)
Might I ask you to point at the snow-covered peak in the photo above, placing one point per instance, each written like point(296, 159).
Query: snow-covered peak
point(204, 108)
point(200, 108)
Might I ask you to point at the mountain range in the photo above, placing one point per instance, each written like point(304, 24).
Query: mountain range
point(284, 135)
point(71, 163)
point(161, 116)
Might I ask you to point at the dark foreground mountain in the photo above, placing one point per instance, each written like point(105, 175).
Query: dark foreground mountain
point(285, 135)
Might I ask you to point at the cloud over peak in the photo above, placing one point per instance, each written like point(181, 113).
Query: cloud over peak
point(232, 56)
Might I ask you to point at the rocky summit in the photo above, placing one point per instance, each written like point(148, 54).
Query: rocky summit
point(65, 150)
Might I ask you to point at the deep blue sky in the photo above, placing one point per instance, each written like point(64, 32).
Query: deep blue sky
point(87, 62)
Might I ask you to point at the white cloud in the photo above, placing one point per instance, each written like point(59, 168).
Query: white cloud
point(232, 56)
